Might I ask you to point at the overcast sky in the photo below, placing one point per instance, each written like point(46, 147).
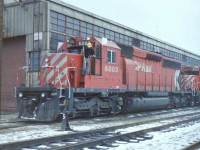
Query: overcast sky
point(174, 21)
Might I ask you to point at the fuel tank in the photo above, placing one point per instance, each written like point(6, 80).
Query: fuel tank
point(146, 103)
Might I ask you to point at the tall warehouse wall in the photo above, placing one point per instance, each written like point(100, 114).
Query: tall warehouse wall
point(23, 24)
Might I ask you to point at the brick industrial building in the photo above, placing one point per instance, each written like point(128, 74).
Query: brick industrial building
point(35, 27)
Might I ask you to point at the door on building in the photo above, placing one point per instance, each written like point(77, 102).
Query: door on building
point(13, 57)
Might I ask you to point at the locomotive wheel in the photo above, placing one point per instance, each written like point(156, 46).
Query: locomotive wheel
point(125, 102)
point(94, 111)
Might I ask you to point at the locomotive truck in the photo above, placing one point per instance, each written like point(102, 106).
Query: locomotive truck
point(122, 79)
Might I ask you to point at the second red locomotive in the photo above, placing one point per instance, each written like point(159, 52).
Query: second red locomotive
point(119, 79)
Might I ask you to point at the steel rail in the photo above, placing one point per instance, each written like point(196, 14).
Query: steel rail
point(193, 146)
point(95, 142)
point(20, 123)
point(38, 141)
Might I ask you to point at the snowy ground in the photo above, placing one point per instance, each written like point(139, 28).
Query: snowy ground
point(161, 141)
point(174, 140)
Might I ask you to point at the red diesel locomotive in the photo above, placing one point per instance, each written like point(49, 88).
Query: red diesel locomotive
point(121, 79)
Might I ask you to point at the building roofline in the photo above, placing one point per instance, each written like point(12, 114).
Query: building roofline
point(118, 24)
point(62, 3)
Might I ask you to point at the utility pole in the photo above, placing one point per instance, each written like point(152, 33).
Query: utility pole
point(1, 44)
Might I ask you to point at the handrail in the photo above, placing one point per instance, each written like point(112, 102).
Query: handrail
point(68, 80)
point(59, 81)
point(24, 68)
point(61, 86)
point(46, 66)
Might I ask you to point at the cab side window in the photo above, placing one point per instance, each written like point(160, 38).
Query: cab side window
point(98, 52)
point(111, 56)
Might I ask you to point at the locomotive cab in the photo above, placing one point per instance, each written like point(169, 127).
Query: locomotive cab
point(67, 68)
point(105, 64)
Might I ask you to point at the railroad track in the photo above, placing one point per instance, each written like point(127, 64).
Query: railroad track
point(193, 146)
point(104, 137)
point(17, 125)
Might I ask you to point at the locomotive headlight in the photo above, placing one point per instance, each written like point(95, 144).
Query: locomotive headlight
point(43, 95)
point(20, 94)
point(46, 62)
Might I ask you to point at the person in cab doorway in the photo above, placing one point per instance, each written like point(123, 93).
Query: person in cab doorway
point(88, 52)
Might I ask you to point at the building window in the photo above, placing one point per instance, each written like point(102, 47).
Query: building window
point(126, 40)
point(130, 41)
point(149, 47)
point(111, 56)
point(56, 38)
point(112, 37)
point(136, 42)
point(72, 26)
point(166, 53)
point(196, 62)
point(86, 29)
point(121, 38)
point(57, 22)
point(107, 34)
point(101, 32)
point(96, 31)
point(157, 49)
point(53, 14)
point(188, 60)
point(141, 44)
point(34, 58)
point(116, 37)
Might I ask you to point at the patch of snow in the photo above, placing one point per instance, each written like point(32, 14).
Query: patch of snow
point(177, 139)
point(169, 138)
